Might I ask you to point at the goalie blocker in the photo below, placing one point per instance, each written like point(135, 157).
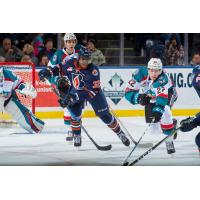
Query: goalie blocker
point(10, 84)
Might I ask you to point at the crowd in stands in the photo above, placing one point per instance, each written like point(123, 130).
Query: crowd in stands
point(39, 48)
point(167, 47)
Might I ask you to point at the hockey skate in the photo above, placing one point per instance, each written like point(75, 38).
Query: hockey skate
point(70, 136)
point(170, 147)
point(77, 140)
point(123, 138)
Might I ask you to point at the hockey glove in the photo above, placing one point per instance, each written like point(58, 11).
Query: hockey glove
point(44, 74)
point(65, 102)
point(69, 100)
point(187, 124)
point(143, 99)
point(29, 90)
point(157, 113)
point(63, 84)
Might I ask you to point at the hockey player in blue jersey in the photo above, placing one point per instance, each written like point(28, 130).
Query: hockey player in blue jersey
point(189, 124)
point(151, 87)
point(62, 56)
point(10, 84)
point(196, 79)
point(83, 85)
point(84, 81)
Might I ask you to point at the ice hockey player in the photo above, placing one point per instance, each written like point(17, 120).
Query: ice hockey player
point(189, 124)
point(62, 56)
point(10, 85)
point(151, 87)
point(83, 79)
point(196, 79)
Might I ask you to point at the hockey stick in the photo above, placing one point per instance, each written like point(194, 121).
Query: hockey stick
point(101, 148)
point(126, 160)
point(152, 148)
point(144, 145)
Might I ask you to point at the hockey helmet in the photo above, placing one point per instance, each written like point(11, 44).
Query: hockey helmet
point(84, 53)
point(69, 36)
point(155, 63)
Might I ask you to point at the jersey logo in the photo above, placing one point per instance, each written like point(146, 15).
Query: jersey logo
point(78, 82)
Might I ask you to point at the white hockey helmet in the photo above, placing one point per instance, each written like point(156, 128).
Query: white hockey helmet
point(155, 63)
point(69, 36)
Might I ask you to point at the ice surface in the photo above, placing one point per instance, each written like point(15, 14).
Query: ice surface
point(17, 147)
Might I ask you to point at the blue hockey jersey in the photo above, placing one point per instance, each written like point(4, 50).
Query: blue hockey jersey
point(196, 79)
point(84, 82)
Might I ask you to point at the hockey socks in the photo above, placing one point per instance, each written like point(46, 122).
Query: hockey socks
point(114, 125)
point(76, 130)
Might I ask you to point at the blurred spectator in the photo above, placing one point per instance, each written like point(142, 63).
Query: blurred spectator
point(195, 59)
point(174, 53)
point(43, 61)
point(48, 49)
point(2, 59)
point(38, 44)
point(29, 50)
point(96, 55)
point(10, 52)
point(26, 58)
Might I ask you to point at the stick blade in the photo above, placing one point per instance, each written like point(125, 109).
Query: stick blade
point(104, 148)
point(125, 164)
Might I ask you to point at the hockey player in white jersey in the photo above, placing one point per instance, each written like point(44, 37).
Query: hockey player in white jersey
point(62, 56)
point(10, 84)
point(151, 87)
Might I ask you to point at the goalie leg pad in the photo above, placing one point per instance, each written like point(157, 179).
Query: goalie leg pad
point(24, 117)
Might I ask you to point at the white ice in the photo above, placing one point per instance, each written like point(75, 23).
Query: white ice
point(50, 148)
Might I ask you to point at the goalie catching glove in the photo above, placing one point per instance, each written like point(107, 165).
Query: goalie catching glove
point(28, 90)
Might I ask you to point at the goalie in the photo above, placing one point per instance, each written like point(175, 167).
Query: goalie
point(9, 102)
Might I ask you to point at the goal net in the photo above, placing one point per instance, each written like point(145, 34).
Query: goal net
point(26, 71)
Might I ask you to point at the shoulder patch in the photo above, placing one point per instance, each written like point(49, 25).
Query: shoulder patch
point(70, 69)
point(161, 80)
point(95, 72)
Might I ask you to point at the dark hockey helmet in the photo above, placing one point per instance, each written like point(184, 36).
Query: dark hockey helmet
point(84, 53)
